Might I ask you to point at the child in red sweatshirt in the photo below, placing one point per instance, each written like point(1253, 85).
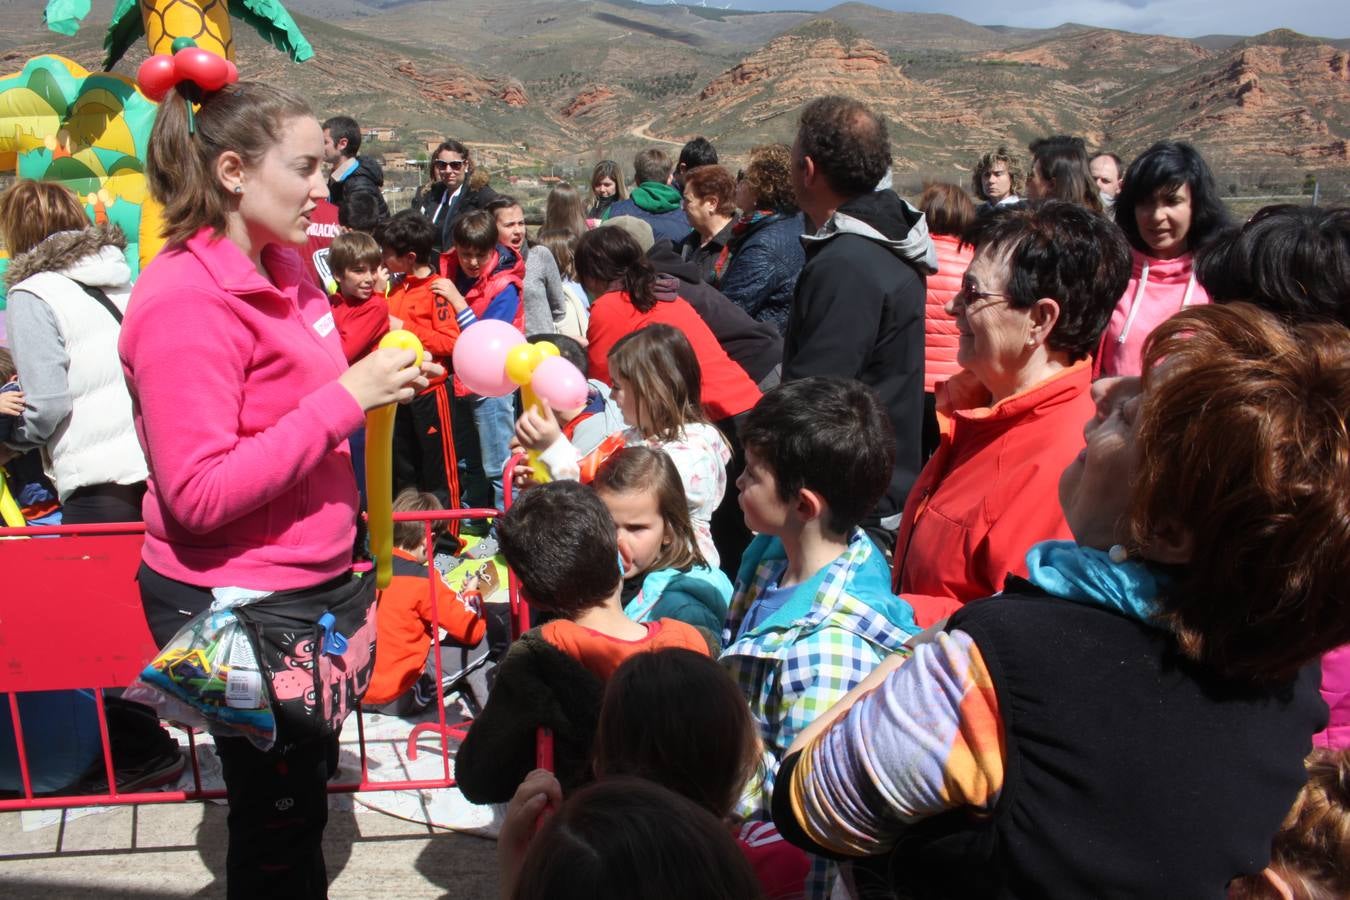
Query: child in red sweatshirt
point(359, 308)
point(424, 444)
point(405, 616)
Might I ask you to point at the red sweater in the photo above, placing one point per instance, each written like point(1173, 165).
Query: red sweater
point(360, 324)
point(727, 391)
point(990, 491)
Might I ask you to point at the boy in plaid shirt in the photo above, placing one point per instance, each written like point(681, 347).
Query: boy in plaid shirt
point(813, 612)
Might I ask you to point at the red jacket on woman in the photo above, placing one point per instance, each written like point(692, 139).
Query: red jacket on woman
point(990, 491)
point(940, 335)
point(727, 390)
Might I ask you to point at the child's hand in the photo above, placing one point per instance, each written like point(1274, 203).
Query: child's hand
point(445, 288)
point(522, 477)
point(470, 583)
point(523, 816)
point(537, 431)
point(395, 323)
point(11, 403)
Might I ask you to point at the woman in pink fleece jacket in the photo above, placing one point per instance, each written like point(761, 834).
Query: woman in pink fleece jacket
point(1168, 207)
point(243, 403)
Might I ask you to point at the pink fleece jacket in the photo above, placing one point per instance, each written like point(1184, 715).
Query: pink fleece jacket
point(1336, 693)
point(243, 422)
point(1121, 350)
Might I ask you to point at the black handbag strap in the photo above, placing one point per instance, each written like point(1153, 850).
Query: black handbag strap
point(103, 301)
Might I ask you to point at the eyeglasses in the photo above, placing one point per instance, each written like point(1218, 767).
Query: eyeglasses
point(968, 298)
point(454, 164)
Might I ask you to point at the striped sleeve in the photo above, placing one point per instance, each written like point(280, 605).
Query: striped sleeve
point(928, 740)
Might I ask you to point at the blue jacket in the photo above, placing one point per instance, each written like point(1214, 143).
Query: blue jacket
point(670, 226)
point(698, 597)
point(766, 259)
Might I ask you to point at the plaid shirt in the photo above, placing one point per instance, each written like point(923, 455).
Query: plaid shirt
point(800, 661)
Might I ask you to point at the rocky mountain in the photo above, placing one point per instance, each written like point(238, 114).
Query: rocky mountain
point(545, 81)
point(1277, 97)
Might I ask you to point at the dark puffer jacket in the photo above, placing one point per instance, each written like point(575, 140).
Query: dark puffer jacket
point(766, 259)
point(427, 203)
point(756, 347)
point(367, 178)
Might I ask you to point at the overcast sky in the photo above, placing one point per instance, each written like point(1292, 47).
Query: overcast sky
point(1183, 18)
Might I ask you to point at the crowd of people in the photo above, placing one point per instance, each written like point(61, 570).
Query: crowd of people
point(989, 545)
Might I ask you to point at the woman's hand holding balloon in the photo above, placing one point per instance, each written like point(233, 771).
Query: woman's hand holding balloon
point(388, 375)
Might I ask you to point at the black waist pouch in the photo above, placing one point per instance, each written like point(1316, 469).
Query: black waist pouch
point(316, 651)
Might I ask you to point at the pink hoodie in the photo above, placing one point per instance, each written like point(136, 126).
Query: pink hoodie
point(237, 404)
point(1163, 296)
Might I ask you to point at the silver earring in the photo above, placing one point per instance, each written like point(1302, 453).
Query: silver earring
point(1118, 553)
point(238, 188)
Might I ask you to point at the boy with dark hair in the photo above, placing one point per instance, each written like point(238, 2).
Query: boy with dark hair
point(350, 174)
point(403, 674)
point(695, 153)
point(359, 308)
point(563, 546)
point(813, 611)
point(424, 445)
point(28, 484)
point(482, 279)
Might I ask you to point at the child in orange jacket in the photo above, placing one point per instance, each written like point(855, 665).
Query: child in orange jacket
point(403, 673)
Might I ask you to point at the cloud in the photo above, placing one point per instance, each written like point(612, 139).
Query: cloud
point(1181, 18)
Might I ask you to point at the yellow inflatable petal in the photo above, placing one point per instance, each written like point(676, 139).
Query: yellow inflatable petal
point(205, 21)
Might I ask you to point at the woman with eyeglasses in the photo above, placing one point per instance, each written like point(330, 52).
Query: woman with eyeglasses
point(1030, 310)
point(451, 193)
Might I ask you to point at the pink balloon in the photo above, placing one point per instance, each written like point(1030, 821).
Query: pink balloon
point(559, 383)
point(480, 357)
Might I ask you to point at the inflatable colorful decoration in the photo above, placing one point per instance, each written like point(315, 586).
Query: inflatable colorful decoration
point(88, 131)
point(380, 470)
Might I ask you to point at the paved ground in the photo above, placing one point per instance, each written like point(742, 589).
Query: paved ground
point(178, 850)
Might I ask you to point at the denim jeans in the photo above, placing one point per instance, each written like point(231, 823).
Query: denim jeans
point(495, 420)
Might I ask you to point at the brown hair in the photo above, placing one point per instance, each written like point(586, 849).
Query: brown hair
point(1244, 447)
point(33, 210)
point(411, 535)
point(636, 470)
point(351, 249)
point(625, 837)
point(564, 210)
point(608, 168)
point(676, 717)
point(769, 175)
point(7, 367)
point(715, 182)
point(947, 208)
point(1311, 851)
point(652, 164)
point(245, 117)
point(562, 244)
point(986, 162)
point(476, 229)
point(661, 369)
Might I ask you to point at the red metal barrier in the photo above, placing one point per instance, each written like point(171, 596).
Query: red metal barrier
point(71, 619)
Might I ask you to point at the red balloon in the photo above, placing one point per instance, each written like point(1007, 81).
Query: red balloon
point(156, 76)
point(233, 70)
point(208, 71)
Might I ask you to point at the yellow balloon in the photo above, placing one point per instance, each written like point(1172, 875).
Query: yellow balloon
point(10, 514)
point(520, 362)
point(380, 470)
point(403, 340)
point(548, 348)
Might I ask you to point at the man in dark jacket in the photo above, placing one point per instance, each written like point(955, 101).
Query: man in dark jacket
point(858, 308)
point(451, 193)
point(350, 174)
point(654, 200)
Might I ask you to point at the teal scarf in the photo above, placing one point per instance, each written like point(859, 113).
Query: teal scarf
point(1085, 575)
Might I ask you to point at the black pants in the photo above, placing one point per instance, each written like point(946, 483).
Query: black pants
point(729, 533)
point(99, 503)
point(424, 446)
point(278, 798)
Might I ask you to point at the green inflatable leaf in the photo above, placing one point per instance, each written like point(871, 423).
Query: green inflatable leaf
point(270, 19)
point(125, 29)
point(64, 16)
point(43, 83)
